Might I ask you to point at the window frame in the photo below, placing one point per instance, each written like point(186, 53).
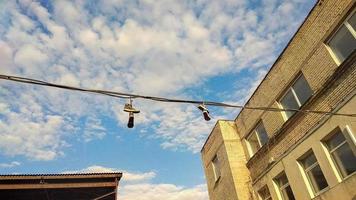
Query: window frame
point(254, 132)
point(216, 167)
point(280, 188)
point(261, 190)
point(291, 88)
point(349, 139)
point(305, 171)
point(348, 27)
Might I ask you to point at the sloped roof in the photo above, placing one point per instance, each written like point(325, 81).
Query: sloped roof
point(78, 186)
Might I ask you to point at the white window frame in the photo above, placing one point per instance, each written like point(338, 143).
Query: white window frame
point(349, 27)
point(295, 97)
point(280, 188)
point(308, 169)
point(216, 167)
point(254, 132)
point(350, 139)
point(260, 124)
point(290, 88)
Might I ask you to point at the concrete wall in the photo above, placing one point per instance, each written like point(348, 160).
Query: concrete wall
point(339, 188)
point(234, 182)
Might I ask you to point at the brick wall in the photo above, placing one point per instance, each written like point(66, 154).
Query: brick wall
point(234, 182)
point(308, 54)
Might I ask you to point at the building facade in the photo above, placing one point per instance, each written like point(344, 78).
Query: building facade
point(82, 186)
point(224, 163)
point(296, 155)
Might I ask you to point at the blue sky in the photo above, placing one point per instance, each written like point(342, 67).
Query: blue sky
point(203, 50)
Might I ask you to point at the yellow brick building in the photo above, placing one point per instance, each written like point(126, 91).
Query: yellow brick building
point(295, 155)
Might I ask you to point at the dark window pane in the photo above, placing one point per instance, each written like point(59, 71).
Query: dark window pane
point(308, 161)
point(262, 134)
point(264, 193)
point(253, 142)
point(289, 102)
point(335, 140)
point(314, 173)
point(352, 21)
point(288, 193)
point(345, 159)
point(317, 178)
point(284, 187)
point(343, 43)
point(302, 90)
point(282, 180)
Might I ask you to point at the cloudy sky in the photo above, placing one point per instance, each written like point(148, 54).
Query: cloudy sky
point(195, 49)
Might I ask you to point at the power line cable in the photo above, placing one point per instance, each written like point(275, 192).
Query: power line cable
point(122, 95)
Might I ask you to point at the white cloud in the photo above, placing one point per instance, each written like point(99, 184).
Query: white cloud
point(23, 21)
point(10, 165)
point(127, 176)
point(188, 125)
point(162, 191)
point(35, 139)
point(137, 186)
point(5, 57)
point(151, 47)
point(93, 129)
point(244, 93)
point(29, 56)
point(66, 11)
point(28, 130)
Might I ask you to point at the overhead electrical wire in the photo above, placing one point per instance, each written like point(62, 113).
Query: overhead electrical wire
point(122, 95)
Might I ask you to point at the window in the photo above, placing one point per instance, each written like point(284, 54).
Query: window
point(216, 167)
point(342, 152)
point(257, 138)
point(343, 42)
point(313, 172)
point(296, 96)
point(264, 193)
point(284, 187)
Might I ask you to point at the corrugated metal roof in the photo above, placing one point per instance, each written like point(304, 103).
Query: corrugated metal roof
point(65, 174)
point(79, 186)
